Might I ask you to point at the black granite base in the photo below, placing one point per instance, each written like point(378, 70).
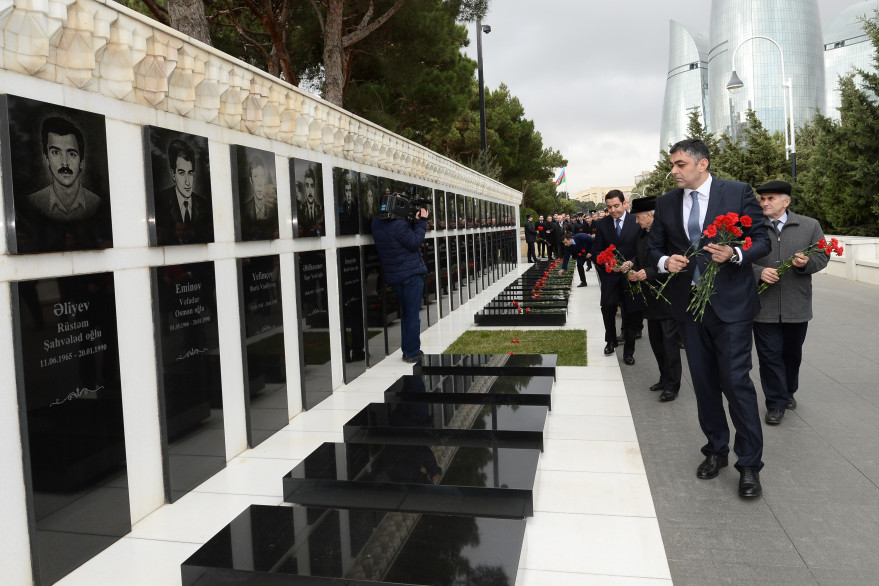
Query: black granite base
point(451, 480)
point(481, 390)
point(511, 318)
point(448, 424)
point(274, 546)
point(491, 364)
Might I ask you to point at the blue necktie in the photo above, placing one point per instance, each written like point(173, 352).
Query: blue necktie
point(694, 228)
point(619, 226)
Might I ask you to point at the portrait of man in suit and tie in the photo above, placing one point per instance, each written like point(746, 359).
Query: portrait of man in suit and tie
point(307, 178)
point(347, 187)
point(57, 158)
point(181, 187)
point(257, 194)
point(369, 201)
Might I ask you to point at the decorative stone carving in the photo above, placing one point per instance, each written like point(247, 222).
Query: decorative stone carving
point(184, 80)
point(28, 34)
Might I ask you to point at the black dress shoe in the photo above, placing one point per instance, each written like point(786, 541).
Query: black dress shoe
point(583, 284)
point(638, 336)
point(774, 416)
point(791, 404)
point(630, 360)
point(711, 465)
point(657, 387)
point(415, 358)
point(667, 396)
point(608, 349)
point(749, 483)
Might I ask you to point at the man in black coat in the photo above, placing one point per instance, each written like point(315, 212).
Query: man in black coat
point(662, 330)
point(620, 229)
point(718, 344)
point(530, 237)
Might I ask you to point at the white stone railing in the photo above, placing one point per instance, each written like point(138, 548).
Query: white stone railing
point(859, 262)
point(100, 46)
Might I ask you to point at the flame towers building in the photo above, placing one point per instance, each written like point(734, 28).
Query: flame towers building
point(686, 87)
point(846, 47)
point(794, 24)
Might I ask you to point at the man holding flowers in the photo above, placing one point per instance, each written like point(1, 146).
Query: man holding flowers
point(717, 338)
point(785, 277)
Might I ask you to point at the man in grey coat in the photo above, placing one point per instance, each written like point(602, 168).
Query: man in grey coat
point(786, 306)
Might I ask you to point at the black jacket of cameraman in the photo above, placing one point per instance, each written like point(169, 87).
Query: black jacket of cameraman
point(399, 247)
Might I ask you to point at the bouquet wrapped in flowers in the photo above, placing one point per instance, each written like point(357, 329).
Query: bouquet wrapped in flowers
point(726, 230)
point(820, 247)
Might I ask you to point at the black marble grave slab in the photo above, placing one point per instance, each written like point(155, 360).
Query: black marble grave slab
point(456, 480)
point(274, 546)
point(448, 424)
point(465, 388)
point(491, 364)
point(512, 318)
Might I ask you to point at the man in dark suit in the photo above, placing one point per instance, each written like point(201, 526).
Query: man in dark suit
point(580, 246)
point(620, 229)
point(530, 237)
point(662, 330)
point(184, 217)
point(719, 344)
point(543, 234)
point(310, 211)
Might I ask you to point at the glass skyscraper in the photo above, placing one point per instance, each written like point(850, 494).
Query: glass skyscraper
point(846, 47)
point(794, 24)
point(686, 87)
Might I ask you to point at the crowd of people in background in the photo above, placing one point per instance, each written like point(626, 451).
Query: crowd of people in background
point(651, 240)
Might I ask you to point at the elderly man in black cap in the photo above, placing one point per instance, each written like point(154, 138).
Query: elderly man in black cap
point(786, 306)
point(662, 329)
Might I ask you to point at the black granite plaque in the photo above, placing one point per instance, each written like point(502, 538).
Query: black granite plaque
point(351, 300)
point(466, 388)
point(454, 270)
point(467, 290)
point(374, 294)
point(439, 210)
point(254, 188)
point(473, 265)
point(429, 311)
point(442, 271)
point(178, 186)
point(307, 179)
point(489, 364)
point(456, 480)
point(314, 341)
point(369, 201)
point(346, 186)
point(265, 373)
point(451, 211)
point(462, 210)
point(452, 424)
point(471, 211)
point(513, 318)
point(55, 180)
point(67, 356)
point(190, 391)
point(274, 546)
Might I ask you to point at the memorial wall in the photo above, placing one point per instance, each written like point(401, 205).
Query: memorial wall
point(186, 265)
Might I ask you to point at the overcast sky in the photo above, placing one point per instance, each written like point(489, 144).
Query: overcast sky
point(592, 75)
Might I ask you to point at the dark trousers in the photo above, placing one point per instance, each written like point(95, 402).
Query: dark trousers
point(580, 262)
point(409, 292)
point(719, 355)
point(780, 352)
point(541, 247)
point(532, 257)
point(631, 320)
point(664, 337)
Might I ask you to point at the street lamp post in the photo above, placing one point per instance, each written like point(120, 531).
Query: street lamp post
point(480, 28)
point(790, 137)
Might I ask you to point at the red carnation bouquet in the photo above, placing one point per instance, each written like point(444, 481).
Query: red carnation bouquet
point(726, 231)
point(612, 259)
point(820, 247)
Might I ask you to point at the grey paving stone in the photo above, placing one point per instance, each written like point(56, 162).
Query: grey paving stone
point(702, 572)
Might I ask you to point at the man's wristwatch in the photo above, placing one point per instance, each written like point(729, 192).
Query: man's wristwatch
point(735, 255)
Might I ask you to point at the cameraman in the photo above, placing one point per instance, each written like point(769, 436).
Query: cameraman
point(399, 248)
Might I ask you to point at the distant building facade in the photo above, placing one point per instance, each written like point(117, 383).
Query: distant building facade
point(812, 61)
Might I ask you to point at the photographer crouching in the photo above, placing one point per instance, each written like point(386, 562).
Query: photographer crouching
point(398, 232)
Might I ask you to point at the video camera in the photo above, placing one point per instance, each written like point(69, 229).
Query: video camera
point(402, 205)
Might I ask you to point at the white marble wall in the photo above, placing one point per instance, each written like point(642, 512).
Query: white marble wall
point(101, 57)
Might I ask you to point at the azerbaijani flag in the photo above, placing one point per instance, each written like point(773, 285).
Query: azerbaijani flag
point(561, 178)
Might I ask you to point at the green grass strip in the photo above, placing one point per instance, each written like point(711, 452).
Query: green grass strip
point(570, 345)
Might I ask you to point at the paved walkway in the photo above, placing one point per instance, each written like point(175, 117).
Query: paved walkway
point(817, 521)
